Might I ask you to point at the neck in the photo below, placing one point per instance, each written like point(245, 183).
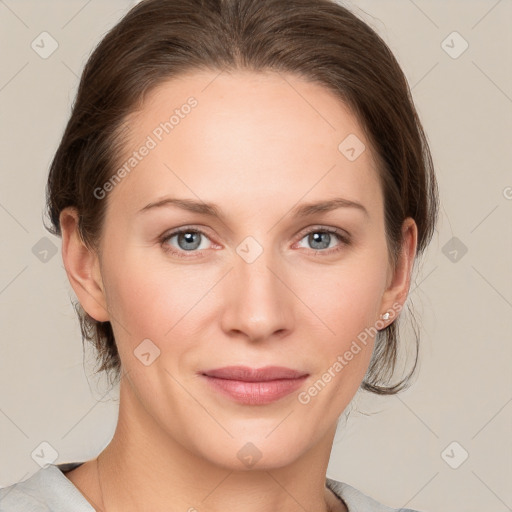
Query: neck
point(142, 468)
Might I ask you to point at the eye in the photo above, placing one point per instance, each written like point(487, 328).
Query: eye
point(322, 239)
point(186, 240)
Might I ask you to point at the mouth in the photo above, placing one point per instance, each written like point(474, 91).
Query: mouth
point(254, 386)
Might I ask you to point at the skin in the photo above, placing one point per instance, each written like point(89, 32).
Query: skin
point(256, 145)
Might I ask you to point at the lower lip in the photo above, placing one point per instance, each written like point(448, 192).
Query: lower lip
point(255, 393)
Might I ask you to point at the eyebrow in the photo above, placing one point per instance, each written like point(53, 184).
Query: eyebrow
point(212, 210)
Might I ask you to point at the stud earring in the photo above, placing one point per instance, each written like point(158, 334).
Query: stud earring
point(385, 316)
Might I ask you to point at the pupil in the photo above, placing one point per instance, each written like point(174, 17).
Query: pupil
point(189, 239)
point(322, 238)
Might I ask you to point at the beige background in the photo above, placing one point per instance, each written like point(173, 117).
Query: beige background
point(396, 449)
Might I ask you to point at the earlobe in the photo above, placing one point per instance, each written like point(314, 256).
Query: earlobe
point(398, 288)
point(82, 267)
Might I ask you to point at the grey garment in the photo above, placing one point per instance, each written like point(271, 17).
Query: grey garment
point(355, 500)
point(49, 490)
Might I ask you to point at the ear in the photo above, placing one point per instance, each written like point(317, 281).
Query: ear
point(82, 267)
point(399, 278)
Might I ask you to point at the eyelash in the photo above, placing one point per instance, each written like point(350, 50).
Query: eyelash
point(342, 236)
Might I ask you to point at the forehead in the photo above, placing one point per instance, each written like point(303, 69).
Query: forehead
point(258, 135)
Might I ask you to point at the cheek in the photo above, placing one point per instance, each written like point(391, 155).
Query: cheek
point(348, 308)
point(346, 299)
point(152, 299)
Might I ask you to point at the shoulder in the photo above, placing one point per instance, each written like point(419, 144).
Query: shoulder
point(356, 501)
point(47, 490)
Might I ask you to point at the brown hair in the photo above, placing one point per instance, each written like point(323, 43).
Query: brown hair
point(317, 40)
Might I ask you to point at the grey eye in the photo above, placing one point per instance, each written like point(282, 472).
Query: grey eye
point(188, 240)
point(321, 239)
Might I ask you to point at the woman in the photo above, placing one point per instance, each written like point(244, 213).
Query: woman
point(242, 191)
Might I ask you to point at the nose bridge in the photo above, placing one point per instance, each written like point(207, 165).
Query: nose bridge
point(259, 302)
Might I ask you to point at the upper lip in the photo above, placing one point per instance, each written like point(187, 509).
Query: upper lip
point(248, 374)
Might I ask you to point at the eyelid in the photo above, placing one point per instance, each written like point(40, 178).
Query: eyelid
point(344, 235)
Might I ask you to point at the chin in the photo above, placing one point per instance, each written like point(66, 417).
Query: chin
point(252, 450)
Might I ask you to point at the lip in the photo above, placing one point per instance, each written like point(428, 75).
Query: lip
point(254, 386)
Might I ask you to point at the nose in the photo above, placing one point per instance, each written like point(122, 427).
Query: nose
point(259, 304)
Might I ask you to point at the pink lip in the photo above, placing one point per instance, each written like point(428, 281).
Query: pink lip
point(255, 386)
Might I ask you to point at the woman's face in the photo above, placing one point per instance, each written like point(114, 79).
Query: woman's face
point(264, 281)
